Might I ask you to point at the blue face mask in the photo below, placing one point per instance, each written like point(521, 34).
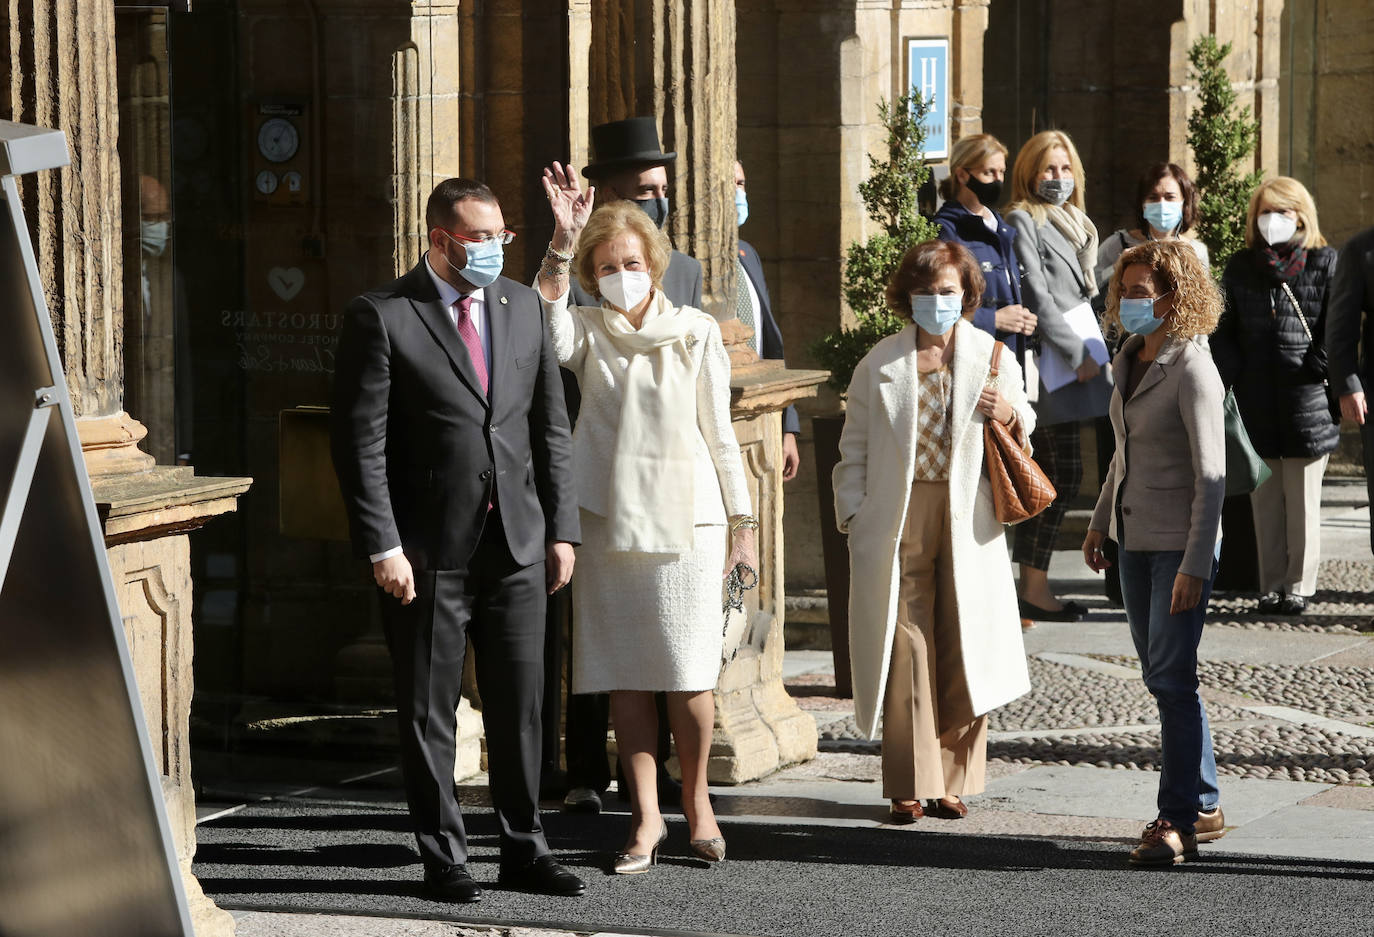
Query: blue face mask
point(655, 208)
point(485, 261)
point(741, 206)
point(937, 314)
point(1138, 315)
point(1163, 216)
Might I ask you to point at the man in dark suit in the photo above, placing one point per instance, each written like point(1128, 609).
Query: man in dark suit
point(628, 163)
point(755, 309)
point(451, 443)
point(1349, 334)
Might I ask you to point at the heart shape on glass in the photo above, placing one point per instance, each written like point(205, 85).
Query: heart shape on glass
point(286, 282)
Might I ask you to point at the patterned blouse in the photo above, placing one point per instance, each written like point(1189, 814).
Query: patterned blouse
point(933, 435)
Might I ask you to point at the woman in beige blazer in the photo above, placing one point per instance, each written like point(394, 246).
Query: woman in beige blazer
point(1161, 503)
point(664, 503)
point(935, 635)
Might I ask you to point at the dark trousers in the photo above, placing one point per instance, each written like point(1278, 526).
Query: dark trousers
point(500, 606)
point(1059, 452)
point(1367, 438)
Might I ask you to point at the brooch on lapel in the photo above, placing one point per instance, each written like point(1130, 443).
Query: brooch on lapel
point(690, 341)
point(504, 301)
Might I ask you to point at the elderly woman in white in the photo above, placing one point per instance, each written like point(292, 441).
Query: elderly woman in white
point(934, 631)
point(663, 499)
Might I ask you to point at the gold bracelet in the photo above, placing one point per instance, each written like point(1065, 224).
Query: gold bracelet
point(744, 522)
point(555, 253)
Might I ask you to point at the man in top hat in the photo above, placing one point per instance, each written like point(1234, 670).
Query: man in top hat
point(627, 163)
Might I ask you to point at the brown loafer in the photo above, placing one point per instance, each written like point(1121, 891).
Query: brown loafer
point(1210, 826)
point(905, 811)
point(946, 810)
point(1162, 843)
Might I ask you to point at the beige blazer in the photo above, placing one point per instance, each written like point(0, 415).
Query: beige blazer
point(1168, 476)
point(873, 483)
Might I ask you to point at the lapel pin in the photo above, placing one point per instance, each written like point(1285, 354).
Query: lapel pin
point(504, 301)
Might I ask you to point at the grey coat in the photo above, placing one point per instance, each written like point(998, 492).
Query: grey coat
point(1052, 282)
point(1166, 483)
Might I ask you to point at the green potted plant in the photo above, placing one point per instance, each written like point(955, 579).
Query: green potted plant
point(890, 197)
point(1222, 136)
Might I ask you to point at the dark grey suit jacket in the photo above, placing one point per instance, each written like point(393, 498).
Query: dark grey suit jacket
point(1350, 318)
point(419, 449)
point(770, 336)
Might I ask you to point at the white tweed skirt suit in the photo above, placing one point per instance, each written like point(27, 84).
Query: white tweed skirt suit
point(649, 620)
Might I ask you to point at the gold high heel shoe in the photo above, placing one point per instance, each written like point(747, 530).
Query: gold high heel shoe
point(710, 850)
point(630, 864)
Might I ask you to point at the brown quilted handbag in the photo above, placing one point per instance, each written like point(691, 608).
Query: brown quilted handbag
point(1019, 488)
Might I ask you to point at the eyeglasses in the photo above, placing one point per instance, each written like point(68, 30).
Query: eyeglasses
point(504, 238)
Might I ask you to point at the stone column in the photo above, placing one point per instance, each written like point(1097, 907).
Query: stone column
point(675, 59)
point(62, 74)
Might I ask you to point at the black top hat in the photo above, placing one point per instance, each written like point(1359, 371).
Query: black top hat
point(625, 143)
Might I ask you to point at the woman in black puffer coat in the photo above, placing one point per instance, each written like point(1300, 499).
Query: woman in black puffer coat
point(1270, 349)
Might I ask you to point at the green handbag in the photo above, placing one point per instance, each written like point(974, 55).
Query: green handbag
point(1245, 470)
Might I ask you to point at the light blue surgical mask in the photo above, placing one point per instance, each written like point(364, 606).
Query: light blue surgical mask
point(1163, 216)
point(655, 208)
point(153, 236)
point(741, 207)
point(486, 259)
point(1138, 315)
point(1055, 191)
point(937, 314)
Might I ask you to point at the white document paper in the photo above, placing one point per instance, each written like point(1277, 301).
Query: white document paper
point(1054, 370)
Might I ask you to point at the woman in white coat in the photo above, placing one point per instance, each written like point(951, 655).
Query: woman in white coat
point(935, 634)
point(664, 502)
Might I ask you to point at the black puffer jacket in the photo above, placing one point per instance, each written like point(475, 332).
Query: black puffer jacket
point(1263, 353)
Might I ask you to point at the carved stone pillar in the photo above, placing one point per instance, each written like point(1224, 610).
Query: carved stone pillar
point(759, 728)
point(675, 59)
point(62, 75)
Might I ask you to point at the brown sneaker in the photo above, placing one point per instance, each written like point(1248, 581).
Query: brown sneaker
point(1163, 844)
point(1210, 826)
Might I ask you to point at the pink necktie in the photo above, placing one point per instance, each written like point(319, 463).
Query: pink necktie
point(468, 332)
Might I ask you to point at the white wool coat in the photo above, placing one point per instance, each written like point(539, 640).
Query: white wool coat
point(873, 481)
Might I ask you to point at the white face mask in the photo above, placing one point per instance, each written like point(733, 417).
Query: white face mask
point(1276, 227)
point(625, 289)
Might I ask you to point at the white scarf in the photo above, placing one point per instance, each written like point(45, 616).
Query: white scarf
point(651, 497)
point(1081, 233)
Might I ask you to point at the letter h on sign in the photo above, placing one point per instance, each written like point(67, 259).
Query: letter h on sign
point(928, 76)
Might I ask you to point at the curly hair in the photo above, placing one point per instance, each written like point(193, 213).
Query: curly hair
point(1176, 267)
point(922, 264)
point(609, 222)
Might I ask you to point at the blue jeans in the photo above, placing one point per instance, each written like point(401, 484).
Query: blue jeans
point(1167, 647)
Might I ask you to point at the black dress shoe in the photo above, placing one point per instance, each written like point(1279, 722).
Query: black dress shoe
point(542, 876)
point(1271, 602)
point(1036, 613)
point(451, 883)
point(1293, 605)
point(1077, 608)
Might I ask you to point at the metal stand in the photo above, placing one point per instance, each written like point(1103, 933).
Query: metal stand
point(84, 833)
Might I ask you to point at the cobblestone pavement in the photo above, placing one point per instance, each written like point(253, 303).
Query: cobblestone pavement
point(1078, 713)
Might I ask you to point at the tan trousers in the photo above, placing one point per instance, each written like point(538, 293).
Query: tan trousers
point(932, 744)
point(1288, 525)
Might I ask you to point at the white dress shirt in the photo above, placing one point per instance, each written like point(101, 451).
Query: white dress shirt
point(449, 296)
